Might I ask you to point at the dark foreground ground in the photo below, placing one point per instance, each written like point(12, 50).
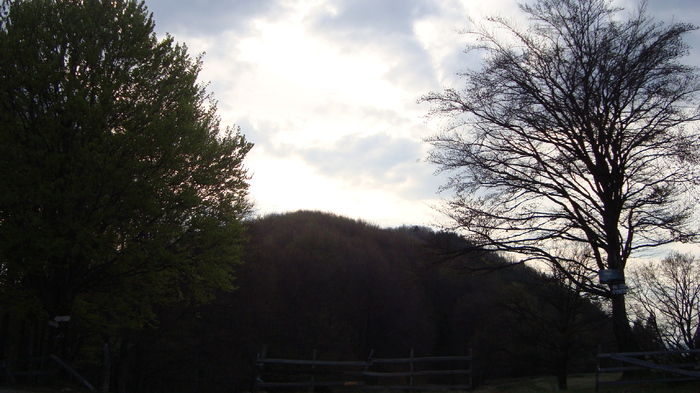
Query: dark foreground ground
point(584, 383)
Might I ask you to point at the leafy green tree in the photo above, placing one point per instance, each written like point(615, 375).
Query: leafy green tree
point(119, 192)
point(572, 134)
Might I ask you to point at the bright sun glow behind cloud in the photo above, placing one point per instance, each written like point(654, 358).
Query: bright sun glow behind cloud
point(297, 94)
point(327, 90)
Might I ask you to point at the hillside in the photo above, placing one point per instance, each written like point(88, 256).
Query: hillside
point(343, 287)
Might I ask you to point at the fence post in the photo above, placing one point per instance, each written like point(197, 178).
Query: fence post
point(597, 368)
point(410, 380)
point(471, 367)
point(366, 379)
point(313, 368)
point(259, 366)
point(306, 369)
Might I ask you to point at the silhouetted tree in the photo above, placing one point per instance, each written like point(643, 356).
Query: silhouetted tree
point(553, 324)
point(119, 192)
point(668, 295)
point(573, 133)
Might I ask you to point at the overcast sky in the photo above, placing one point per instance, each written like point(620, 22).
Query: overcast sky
point(327, 90)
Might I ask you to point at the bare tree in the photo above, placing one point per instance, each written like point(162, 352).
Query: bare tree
point(575, 131)
point(668, 293)
point(553, 322)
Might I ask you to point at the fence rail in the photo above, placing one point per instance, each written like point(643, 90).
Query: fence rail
point(663, 366)
point(411, 373)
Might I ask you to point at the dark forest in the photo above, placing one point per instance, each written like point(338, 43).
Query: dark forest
point(343, 287)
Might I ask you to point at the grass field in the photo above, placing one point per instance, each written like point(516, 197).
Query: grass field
point(584, 383)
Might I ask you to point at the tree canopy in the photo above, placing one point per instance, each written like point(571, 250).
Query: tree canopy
point(578, 131)
point(115, 176)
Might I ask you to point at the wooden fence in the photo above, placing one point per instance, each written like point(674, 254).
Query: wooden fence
point(37, 369)
point(411, 373)
point(663, 366)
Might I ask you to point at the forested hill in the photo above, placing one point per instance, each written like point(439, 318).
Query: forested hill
point(341, 286)
point(345, 287)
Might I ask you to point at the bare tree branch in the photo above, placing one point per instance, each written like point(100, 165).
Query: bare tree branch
point(578, 130)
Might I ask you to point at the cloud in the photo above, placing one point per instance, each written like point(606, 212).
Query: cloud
point(386, 29)
point(359, 20)
point(372, 161)
point(292, 183)
point(327, 90)
point(209, 17)
point(333, 117)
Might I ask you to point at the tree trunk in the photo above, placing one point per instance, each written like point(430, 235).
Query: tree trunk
point(122, 363)
point(562, 369)
point(621, 326)
point(562, 380)
point(106, 365)
point(4, 336)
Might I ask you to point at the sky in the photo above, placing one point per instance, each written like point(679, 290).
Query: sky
point(327, 91)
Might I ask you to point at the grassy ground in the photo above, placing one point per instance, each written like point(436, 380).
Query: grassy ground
point(65, 388)
point(582, 384)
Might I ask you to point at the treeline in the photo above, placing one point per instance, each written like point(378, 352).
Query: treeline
point(345, 287)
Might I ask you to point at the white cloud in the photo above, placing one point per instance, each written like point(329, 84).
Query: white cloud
point(295, 185)
point(327, 91)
